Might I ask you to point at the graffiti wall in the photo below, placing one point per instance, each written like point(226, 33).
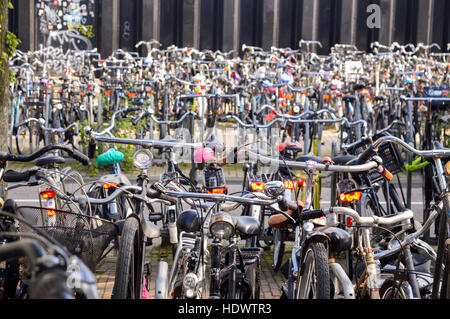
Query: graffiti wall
point(70, 24)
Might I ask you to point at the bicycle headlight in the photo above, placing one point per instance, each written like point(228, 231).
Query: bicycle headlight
point(222, 226)
point(143, 159)
point(190, 285)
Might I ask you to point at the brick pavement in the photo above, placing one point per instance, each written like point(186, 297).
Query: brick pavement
point(270, 281)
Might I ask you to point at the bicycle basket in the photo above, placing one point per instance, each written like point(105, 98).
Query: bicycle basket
point(84, 236)
point(392, 161)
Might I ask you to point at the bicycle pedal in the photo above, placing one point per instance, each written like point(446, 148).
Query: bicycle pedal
point(251, 253)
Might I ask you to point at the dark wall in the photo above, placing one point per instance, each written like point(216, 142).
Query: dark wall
point(227, 24)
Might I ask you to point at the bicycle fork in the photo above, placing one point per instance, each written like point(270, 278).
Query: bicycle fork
point(372, 269)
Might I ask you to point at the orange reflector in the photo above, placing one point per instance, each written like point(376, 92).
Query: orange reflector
point(350, 197)
point(48, 193)
point(290, 184)
point(110, 185)
point(326, 97)
point(257, 186)
point(108, 92)
point(131, 94)
point(367, 99)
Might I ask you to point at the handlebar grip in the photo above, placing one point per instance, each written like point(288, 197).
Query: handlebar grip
point(152, 193)
point(92, 148)
point(80, 157)
point(286, 205)
point(12, 176)
point(387, 175)
point(131, 110)
point(313, 214)
point(365, 156)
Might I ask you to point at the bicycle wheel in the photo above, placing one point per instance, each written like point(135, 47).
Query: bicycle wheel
point(389, 290)
point(128, 283)
point(278, 249)
point(315, 280)
point(21, 135)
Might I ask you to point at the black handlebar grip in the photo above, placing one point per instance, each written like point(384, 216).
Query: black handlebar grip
point(313, 214)
point(92, 148)
point(80, 157)
point(366, 155)
point(153, 193)
point(131, 110)
point(16, 177)
point(286, 205)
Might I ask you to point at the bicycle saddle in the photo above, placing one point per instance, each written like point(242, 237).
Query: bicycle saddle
point(50, 160)
point(246, 225)
point(438, 146)
point(111, 157)
point(287, 146)
point(343, 159)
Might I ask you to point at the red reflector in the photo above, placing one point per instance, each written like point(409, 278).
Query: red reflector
point(257, 186)
point(349, 222)
point(302, 182)
point(48, 194)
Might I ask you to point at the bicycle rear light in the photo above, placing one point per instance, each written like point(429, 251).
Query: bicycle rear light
point(302, 182)
point(51, 212)
point(350, 197)
point(257, 186)
point(110, 185)
point(221, 190)
point(48, 194)
point(290, 184)
point(349, 222)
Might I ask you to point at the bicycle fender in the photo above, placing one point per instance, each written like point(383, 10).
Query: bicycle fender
point(317, 236)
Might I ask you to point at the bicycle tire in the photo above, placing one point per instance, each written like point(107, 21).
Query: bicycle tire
point(315, 259)
point(21, 139)
point(389, 290)
point(127, 284)
point(278, 250)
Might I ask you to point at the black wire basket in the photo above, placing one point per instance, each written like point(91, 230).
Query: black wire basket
point(389, 153)
point(84, 236)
